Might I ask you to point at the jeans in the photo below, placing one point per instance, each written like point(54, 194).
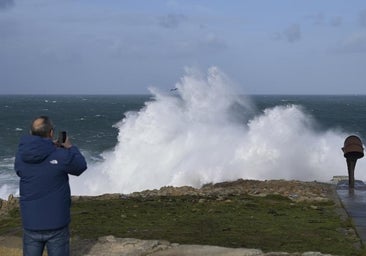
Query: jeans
point(56, 241)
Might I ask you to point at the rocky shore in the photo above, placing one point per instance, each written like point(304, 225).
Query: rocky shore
point(110, 245)
point(113, 246)
point(295, 190)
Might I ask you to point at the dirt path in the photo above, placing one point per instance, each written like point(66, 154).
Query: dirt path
point(10, 245)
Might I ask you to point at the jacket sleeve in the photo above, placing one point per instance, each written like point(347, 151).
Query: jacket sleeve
point(76, 164)
point(17, 165)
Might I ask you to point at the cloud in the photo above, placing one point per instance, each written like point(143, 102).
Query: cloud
point(356, 43)
point(320, 19)
point(336, 21)
point(212, 43)
point(277, 36)
point(171, 21)
point(5, 4)
point(292, 33)
point(362, 18)
point(317, 19)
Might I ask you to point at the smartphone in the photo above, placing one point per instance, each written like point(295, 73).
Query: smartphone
point(61, 137)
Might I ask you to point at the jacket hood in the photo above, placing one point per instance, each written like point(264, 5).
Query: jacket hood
point(34, 149)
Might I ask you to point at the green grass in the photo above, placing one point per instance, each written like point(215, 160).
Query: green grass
point(10, 224)
point(271, 223)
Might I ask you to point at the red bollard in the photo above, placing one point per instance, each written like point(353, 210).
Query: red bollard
point(352, 150)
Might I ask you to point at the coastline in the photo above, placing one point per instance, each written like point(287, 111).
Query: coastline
point(312, 194)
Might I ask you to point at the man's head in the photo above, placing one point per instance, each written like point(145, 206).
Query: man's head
point(42, 126)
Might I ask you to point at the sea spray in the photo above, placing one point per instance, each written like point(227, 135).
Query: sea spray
point(206, 132)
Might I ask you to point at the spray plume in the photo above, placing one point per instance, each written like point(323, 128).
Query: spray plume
point(205, 132)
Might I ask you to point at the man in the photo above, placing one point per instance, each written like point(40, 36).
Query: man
point(43, 167)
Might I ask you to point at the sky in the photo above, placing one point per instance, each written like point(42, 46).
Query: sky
point(127, 46)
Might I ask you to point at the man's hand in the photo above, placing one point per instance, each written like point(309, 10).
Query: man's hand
point(67, 143)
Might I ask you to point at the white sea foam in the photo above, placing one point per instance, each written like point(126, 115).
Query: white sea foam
point(207, 133)
point(6, 190)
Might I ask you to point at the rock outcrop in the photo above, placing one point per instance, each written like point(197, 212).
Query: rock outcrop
point(113, 246)
point(6, 206)
point(295, 190)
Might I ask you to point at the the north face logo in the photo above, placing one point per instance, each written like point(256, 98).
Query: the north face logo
point(53, 161)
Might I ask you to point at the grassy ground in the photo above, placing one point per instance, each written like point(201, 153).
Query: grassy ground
point(271, 223)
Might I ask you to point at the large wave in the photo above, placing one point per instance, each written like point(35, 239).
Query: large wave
point(206, 132)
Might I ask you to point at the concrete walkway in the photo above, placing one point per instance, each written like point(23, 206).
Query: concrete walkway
point(354, 202)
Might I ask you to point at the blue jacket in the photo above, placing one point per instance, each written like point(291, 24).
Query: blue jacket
point(43, 169)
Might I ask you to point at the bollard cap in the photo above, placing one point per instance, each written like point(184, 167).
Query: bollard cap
point(353, 148)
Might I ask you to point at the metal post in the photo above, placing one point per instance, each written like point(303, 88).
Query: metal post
point(351, 164)
point(353, 150)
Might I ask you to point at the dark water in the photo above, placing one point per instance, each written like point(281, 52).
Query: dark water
point(88, 120)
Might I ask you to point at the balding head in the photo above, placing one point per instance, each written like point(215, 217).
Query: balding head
point(42, 126)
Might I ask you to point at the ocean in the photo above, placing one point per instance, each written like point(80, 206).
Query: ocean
point(199, 133)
